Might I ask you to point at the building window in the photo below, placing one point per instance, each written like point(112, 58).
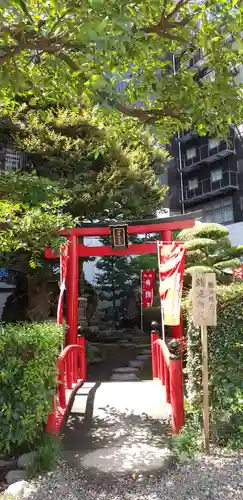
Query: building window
point(192, 183)
point(241, 203)
point(240, 166)
point(216, 174)
point(219, 211)
point(213, 143)
point(191, 153)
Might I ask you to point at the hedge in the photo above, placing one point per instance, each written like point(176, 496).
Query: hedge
point(225, 344)
point(28, 354)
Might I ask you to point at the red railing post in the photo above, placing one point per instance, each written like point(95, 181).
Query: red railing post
point(61, 384)
point(155, 357)
point(178, 330)
point(75, 366)
point(162, 369)
point(177, 394)
point(69, 367)
point(167, 383)
point(69, 377)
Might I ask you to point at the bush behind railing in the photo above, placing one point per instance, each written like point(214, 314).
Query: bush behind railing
point(28, 356)
point(225, 353)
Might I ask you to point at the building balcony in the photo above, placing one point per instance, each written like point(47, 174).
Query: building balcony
point(197, 59)
point(207, 154)
point(189, 136)
point(209, 188)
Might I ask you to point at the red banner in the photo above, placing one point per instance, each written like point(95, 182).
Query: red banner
point(238, 272)
point(147, 285)
point(63, 276)
point(171, 272)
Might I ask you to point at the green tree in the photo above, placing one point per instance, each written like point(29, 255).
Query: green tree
point(81, 171)
point(117, 279)
point(63, 49)
point(208, 249)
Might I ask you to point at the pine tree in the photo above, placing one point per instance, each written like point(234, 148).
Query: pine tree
point(208, 249)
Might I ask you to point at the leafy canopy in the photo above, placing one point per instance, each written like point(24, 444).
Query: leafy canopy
point(120, 54)
point(82, 170)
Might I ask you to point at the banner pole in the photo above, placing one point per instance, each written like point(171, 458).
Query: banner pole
point(141, 301)
point(161, 302)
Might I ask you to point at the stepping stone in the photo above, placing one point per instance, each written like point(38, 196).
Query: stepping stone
point(136, 363)
point(143, 357)
point(124, 377)
point(145, 351)
point(126, 369)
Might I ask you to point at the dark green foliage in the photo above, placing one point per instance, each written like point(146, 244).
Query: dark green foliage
point(225, 346)
point(187, 443)
point(28, 354)
point(117, 278)
point(60, 51)
point(47, 454)
point(83, 169)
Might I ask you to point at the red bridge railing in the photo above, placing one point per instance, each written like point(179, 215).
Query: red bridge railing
point(71, 371)
point(167, 367)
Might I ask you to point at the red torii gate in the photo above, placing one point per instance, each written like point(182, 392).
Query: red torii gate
point(164, 227)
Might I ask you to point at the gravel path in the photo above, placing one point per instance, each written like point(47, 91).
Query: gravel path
point(215, 478)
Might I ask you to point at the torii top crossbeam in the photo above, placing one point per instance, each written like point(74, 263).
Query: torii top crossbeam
point(164, 226)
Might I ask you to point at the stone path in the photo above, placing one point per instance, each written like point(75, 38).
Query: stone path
point(131, 372)
point(118, 428)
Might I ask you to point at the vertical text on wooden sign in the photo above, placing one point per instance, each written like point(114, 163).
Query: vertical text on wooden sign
point(204, 303)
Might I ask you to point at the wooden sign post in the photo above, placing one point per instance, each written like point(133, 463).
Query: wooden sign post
point(204, 314)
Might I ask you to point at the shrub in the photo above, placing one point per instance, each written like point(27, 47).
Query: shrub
point(47, 454)
point(28, 354)
point(208, 249)
point(92, 352)
point(225, 351)
point(188, 442)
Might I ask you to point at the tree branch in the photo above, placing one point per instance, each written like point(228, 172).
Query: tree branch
point(149, 115)
point(166, 23)
point(176, 9)
point(43, 44)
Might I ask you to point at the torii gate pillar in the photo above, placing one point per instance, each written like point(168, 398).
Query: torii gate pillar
point(72, 292)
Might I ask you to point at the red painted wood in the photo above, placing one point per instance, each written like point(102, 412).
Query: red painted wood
point(105, 250)
point(167, 383)
point(82, 367)
point(69, 368)
point(156, 227)
point(178, 330)
point(154, 337)
point(177, 397)
point(69, 377)
point(61, 383)
point(166, 236)
point(171, 375)
point(72, 292)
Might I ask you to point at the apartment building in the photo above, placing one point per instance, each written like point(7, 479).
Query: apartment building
point(206, 173)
